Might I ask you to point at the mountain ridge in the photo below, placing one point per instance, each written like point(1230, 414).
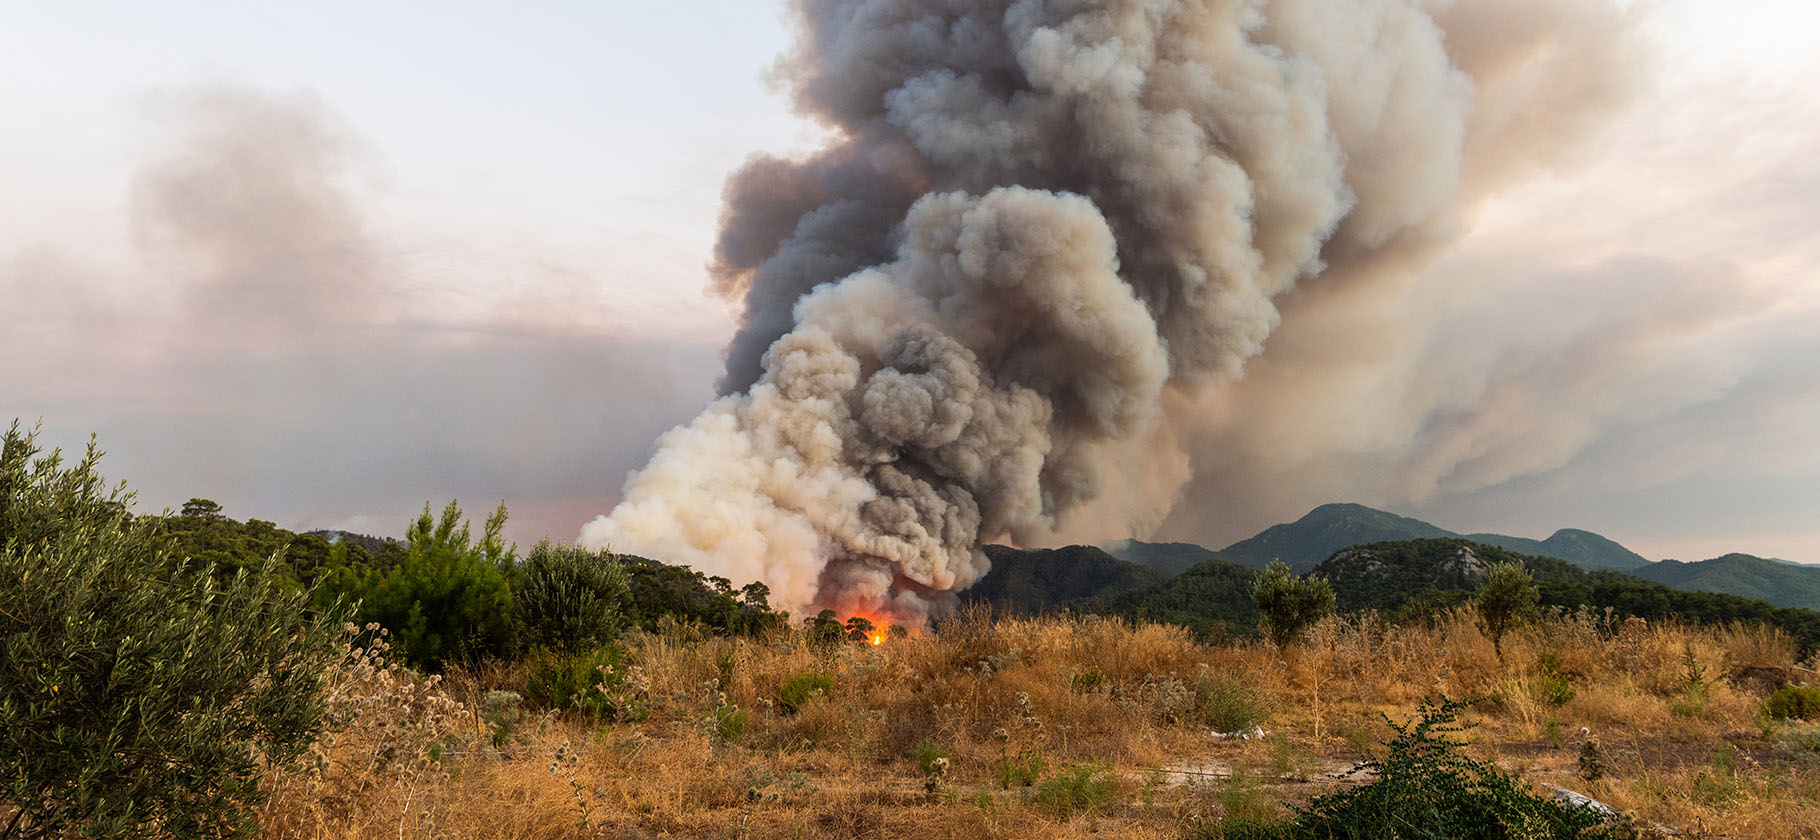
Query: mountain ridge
point(1331, 527)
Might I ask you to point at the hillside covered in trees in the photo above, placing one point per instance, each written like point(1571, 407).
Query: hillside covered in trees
point(1403, 580)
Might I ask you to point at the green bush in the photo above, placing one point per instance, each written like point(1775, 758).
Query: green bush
point(139, 694)
point(1289, 605)
point(1228, 704)
point(1794, 701)
point(798, 690)
point(568, 598)
point(447, 601)
point(601, 683)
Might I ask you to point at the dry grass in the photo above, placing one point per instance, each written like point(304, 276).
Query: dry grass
point(1676, 711)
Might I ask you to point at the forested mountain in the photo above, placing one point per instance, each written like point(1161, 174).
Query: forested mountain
point(1581, 548)
point(1778, 582)
point(1406, 578)
point(1329, 528)
point(1402, 579)
point(1325, 530)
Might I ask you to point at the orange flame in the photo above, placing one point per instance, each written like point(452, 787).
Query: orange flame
point(878, 638)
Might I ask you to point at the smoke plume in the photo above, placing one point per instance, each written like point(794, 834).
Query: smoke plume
point(1046, 237)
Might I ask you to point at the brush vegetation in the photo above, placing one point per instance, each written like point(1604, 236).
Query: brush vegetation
point(624, 697)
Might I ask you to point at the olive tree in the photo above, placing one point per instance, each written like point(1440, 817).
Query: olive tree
point(1290, 605)
point(1508, 598)
point(568, 598)
point(139, 694)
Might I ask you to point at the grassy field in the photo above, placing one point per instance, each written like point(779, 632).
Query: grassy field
point(1055, 728)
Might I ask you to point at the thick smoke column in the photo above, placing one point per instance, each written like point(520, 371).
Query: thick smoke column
point(1038, 218)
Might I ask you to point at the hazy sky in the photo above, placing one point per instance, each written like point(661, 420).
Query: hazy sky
point(325, 262)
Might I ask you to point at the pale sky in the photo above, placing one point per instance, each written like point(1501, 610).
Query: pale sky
point(515, 204)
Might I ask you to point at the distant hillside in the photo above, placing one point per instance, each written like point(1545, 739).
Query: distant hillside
point(1170, 559)
point(1041, 580)
point(1325, 530)
point(1781, 583)
point(1401, 579)
point(1406, 578)
point(1581, 548)
point(1329, 528)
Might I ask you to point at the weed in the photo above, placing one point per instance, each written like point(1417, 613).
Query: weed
point(798, 690)
point(1692, 671)
point(1088, 787)
point(927, 753)
point(1553, 689)
point(1088, 681)
point(729, 722)
point(501, 713)
point(1721, 788)
point(1021, 770)
point(1357, 734)
point(1794, 702)
point(1243, 800)
point(1592, 762)
point(1288, 761)
point(1228, 704)
point(725, 661)
point(601, 683)
point(1689, 702)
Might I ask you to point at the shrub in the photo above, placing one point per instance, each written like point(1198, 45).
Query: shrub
point(139, 694)
point(601, 683)
point(568, 598)
point(798, 690)
point(1227, 704)
point(448, 600)
point(1289, 605)
point(1425, 788)
point(1794, 701)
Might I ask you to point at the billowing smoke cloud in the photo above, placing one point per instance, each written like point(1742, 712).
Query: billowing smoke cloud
point(1047, 237)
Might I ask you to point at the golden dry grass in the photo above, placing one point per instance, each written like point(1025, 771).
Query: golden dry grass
point(1674, 709)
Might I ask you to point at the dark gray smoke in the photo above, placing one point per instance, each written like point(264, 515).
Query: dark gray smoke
point(1044, 233)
